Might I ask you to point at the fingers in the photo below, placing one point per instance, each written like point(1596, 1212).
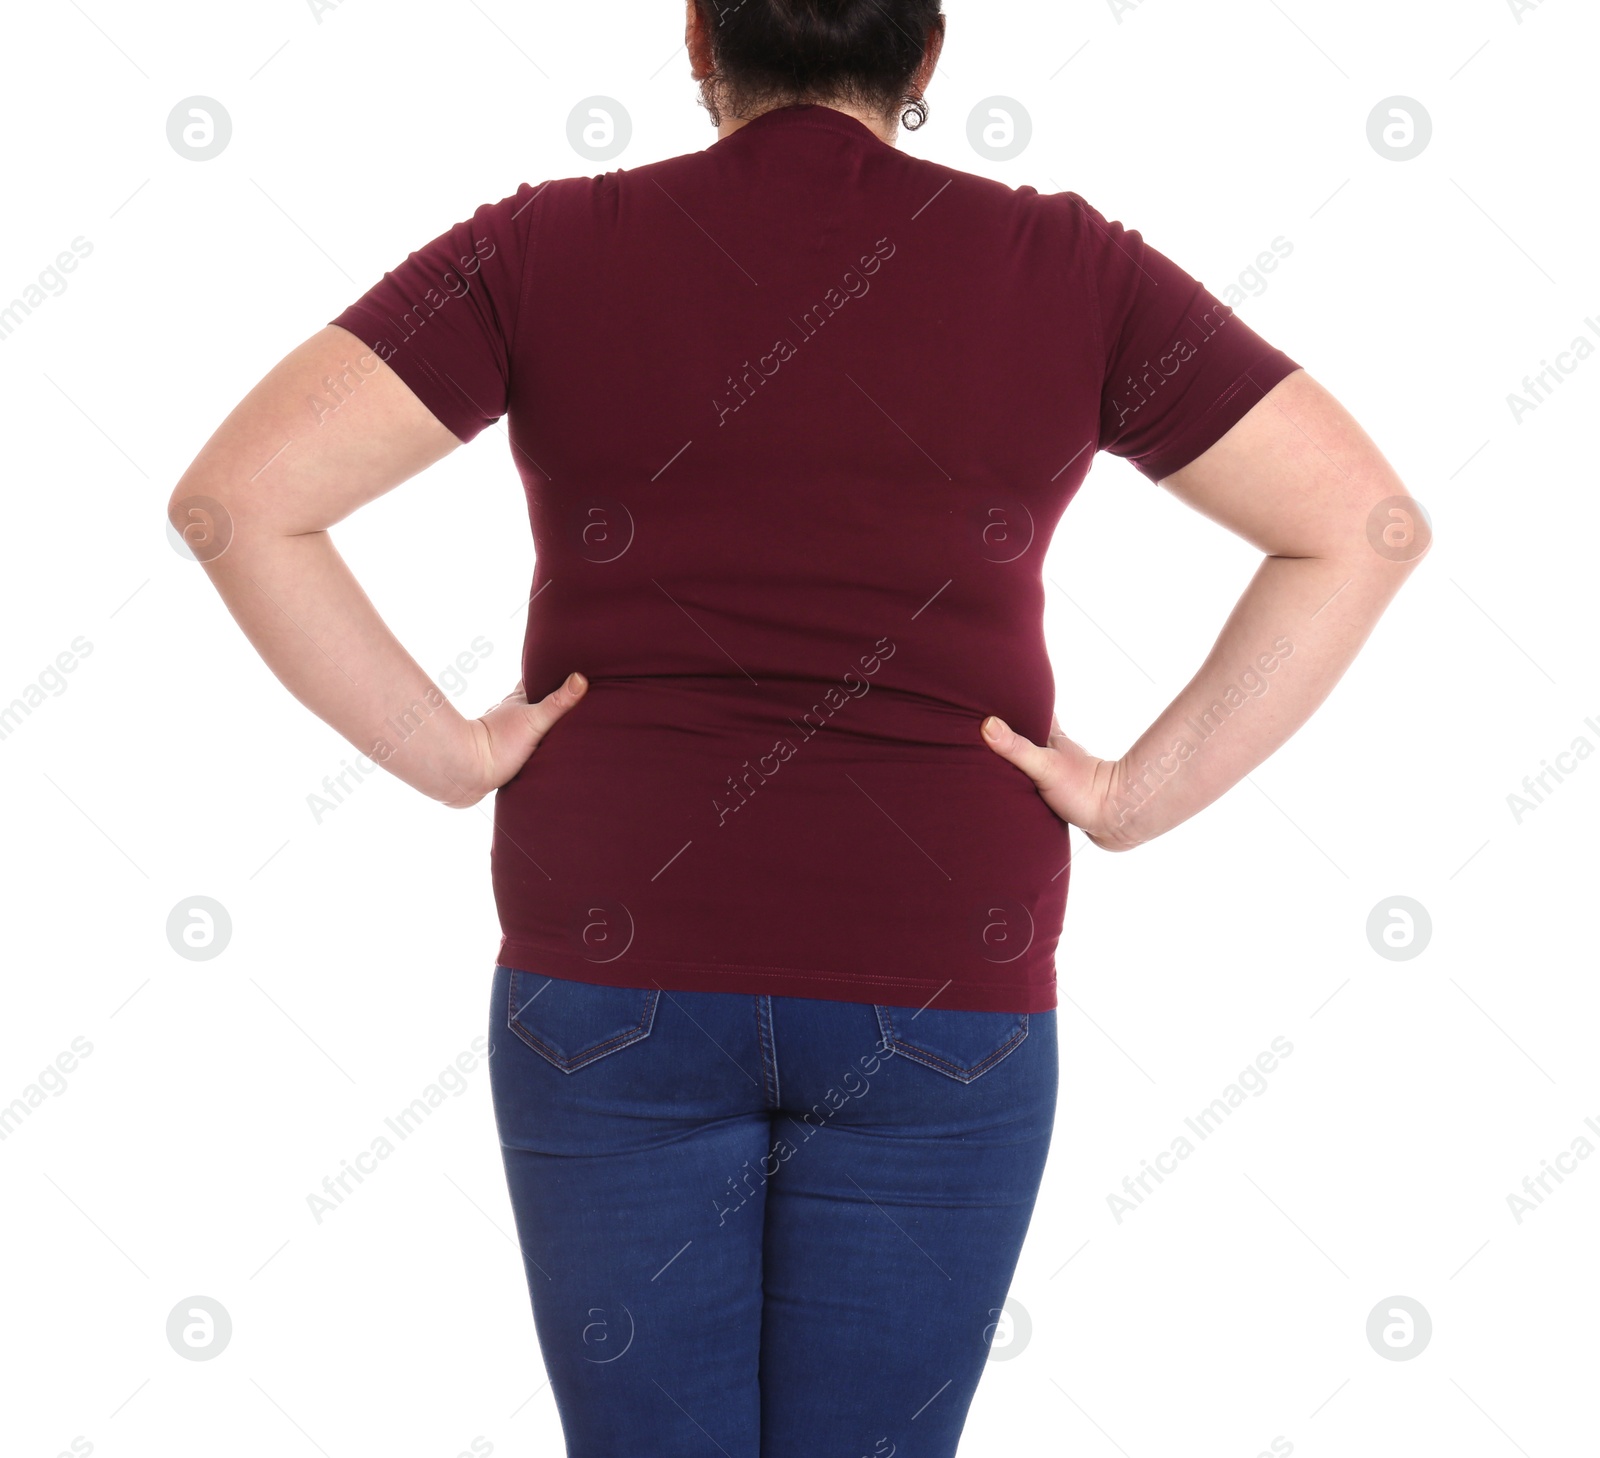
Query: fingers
point(553, 705)
point(1038, 764)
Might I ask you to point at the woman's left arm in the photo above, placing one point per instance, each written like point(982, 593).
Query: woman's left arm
point(1300, 479)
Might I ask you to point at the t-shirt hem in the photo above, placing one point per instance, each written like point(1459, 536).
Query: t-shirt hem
point(1237, 401)
point(669, 976)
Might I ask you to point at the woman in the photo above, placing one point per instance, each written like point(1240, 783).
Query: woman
point(782, 807)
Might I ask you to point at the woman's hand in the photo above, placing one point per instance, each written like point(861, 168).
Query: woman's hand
point(1070, 780)
point(504, 738)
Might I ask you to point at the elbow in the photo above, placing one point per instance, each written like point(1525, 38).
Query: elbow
point(1387, 540)
point(1399, 534)
point(201, 520)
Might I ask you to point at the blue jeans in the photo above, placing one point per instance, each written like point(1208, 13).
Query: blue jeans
point(765, 1227)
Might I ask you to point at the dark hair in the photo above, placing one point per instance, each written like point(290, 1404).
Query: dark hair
point(776, 52)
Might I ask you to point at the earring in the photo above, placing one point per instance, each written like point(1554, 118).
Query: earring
point(915, 113)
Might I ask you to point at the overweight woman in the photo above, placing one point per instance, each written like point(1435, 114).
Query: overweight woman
point(781, 804)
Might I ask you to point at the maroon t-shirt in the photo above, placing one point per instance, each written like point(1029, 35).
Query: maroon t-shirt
point(796, 417)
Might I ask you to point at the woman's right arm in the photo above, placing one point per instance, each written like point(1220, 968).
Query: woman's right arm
point(255, 507)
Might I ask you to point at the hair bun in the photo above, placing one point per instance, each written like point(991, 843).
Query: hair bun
point(769, 53)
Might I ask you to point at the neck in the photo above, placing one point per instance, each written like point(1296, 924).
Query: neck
point(886, 128)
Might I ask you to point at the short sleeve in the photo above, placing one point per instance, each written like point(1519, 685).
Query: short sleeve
point(1181, 369)
point(445, 319)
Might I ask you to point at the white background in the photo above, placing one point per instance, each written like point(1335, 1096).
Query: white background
point(1231, 1307)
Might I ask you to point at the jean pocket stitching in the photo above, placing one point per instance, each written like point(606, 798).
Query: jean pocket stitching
point(943, 1065)
point(613, 1044)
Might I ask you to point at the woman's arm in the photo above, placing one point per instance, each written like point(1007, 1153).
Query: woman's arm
point(255, 507)
point(1298, 478)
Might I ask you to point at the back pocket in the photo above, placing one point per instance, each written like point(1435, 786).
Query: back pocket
point(960, 1044)
point(571, 1024)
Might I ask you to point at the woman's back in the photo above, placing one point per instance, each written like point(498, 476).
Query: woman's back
point(772, 1040)
point(797, 416)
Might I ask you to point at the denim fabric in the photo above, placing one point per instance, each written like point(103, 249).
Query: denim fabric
point(765, 1227)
